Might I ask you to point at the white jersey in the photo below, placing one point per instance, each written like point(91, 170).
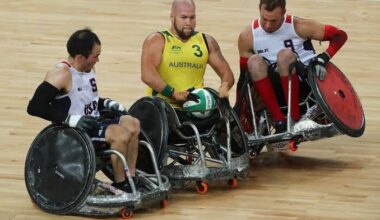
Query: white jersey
point(83, 97)
point(268, 45)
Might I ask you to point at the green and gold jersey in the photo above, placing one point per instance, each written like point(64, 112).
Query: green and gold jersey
point(183, 64)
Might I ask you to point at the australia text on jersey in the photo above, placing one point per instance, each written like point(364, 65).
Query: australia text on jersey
point(186, 65)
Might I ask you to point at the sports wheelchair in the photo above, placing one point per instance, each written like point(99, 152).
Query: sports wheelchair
point(60, 178)
point(330, 107)
point(196, 150)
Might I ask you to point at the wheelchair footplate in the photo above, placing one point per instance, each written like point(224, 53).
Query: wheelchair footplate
point(183, 175)
point(303, 130)
point(105, 200)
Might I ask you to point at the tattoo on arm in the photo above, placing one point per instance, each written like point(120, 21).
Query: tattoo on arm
point(214, 46)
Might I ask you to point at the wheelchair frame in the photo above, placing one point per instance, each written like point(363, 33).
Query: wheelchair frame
point(96, 198)
point(309, 127)
point(186, 161)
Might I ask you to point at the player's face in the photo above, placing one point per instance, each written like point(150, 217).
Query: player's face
point(92, 59)
point(184, 21)
point(271, 21)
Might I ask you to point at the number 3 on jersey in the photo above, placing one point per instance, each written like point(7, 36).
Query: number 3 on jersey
point(198, 52)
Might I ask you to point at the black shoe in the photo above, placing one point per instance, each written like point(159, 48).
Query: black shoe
point(124, 186)
point(139, 183)
point(280, 127)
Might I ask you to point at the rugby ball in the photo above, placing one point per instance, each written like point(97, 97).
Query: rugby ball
point(203, 107)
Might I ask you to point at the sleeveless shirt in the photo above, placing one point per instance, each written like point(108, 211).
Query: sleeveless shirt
point(83, 97)
point(268, 45)
point(183, 64)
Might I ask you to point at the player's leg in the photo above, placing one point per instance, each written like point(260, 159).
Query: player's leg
point(132, 125)
point(258, 69)
point(286, 61)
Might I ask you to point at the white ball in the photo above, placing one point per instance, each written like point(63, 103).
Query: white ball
point(204, 105)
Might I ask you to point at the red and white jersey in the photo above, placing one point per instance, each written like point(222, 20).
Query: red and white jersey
point(268, 45)
point(83, 97)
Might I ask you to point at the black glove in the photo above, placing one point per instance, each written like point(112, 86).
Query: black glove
point(83, 122)
point(192, 96)
point(115, 106)
point(319, 63)
point(224, 101)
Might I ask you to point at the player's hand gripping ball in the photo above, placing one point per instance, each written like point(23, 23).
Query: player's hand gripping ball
point(203, 106)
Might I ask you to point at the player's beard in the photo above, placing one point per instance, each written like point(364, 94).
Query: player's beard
point(182, 34)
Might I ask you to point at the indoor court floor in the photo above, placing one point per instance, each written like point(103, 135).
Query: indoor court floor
point(336, 179)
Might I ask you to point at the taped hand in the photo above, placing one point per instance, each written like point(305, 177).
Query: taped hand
point(319, 63)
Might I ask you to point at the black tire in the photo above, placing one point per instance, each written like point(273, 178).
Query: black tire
point(60, 169)
point(153, 120)
point(239, 143)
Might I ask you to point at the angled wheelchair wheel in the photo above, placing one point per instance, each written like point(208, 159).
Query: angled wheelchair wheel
point(339, 101)
point(153, 120)
point(59, 169)
point(245, 115)
point(239, 143)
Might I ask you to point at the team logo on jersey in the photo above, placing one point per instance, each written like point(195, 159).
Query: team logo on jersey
point(263, 50)
point(90, 107)
point(176, 49)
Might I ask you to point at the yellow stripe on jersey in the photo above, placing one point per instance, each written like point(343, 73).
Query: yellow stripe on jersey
point(183, 64)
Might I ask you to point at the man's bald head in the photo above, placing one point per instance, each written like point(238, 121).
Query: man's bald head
point(178, 4)
point(183, 18)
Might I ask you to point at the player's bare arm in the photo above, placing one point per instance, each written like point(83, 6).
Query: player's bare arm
point(245, 43)
point(309, 29)
point(60, 77)
point(150, 60)
point(219, 63)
